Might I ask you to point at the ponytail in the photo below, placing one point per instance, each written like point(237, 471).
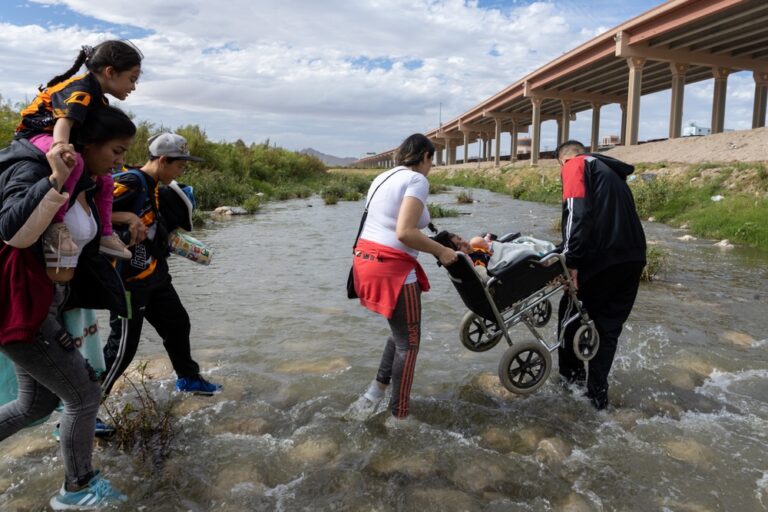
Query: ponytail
point(413, 149)
point(121, 55)
point(79, 61)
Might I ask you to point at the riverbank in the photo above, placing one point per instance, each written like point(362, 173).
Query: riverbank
point(716, 186)
point(713, 200)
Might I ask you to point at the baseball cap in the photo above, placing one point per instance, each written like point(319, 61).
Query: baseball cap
point(170, 145)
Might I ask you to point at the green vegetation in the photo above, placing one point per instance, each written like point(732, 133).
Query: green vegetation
point(656, 261)
point(675, 194)
point(465, 197)
point(9, 119)
point(233, 174)
point(437, 188)
point(436, 211)
point(145, 427)
point(687, 198)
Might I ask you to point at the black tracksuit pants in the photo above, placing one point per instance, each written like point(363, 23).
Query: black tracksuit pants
point(161, 306)
point(608, 298)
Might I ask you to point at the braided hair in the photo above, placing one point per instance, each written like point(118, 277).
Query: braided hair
point(121, 55)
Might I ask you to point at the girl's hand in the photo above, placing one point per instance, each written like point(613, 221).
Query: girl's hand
point(61, 159)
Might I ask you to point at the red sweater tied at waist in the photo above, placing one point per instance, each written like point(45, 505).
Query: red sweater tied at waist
point(380, 272)
point(26, 294)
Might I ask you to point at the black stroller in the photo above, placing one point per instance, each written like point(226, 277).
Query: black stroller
point(520, 292)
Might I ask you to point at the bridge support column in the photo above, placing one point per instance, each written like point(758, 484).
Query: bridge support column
point(761, 95)
point(623, 134)
point(595, 134)
point(536, 131)
point(513, 142)
point(565, 125)
point(633, 98)
point(676, 102)
point(718, 99)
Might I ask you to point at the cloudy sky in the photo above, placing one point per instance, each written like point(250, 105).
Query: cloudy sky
point(344, 77)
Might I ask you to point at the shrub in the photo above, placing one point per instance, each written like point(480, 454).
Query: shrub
point(656, 260)
point(436, 211)
point(144, 426)
point(465, 197)
point(437, 188)
point(252, 204)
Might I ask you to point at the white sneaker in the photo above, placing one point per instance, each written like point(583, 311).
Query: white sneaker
point(365, 406)
point(375, 393)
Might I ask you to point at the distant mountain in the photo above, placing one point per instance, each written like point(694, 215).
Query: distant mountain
point(329, 160)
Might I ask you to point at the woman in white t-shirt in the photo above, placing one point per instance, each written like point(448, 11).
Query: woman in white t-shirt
point(388, 278)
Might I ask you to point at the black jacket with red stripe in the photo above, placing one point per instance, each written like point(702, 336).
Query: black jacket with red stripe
point(600, 224)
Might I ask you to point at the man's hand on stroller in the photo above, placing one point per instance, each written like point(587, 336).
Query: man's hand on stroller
point(574, 273)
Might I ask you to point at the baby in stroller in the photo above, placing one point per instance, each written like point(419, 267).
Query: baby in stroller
point(490, 254)
point(520, 276)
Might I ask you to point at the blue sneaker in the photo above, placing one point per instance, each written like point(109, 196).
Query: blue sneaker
point(104, 429)
point(97, 493)
point(197, 386)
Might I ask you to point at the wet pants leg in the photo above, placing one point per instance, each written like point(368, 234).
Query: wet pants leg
point(398, 361)
point(164, 311)
point(167, 315)
point(48, 373)
point(608, 297)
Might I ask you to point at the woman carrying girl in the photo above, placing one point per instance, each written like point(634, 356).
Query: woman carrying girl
point(388, 278)
point(47, 370)
point(56, 114)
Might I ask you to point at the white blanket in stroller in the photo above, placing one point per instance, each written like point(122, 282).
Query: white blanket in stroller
point(508, 253)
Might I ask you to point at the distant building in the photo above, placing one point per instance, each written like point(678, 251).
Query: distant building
point(692, 130)
point(524, 145)
point(609, 140)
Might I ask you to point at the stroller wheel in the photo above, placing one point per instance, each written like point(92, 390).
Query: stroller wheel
point(478, 334)
point(586, 341)
point(541, 313)
point(525, 367)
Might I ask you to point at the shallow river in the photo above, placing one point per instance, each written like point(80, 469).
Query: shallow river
point(687, 429)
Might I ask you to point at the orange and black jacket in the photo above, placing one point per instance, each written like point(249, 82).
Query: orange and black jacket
point(73, 98)
point(138, 192)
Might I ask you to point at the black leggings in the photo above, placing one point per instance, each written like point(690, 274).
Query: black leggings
point(608, 297)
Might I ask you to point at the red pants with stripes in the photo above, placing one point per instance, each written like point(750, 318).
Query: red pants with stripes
point(399, 359)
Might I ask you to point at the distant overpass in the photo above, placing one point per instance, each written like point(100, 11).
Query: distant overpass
point(677, 43)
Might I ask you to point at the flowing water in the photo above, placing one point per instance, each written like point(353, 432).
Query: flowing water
point(687, 430)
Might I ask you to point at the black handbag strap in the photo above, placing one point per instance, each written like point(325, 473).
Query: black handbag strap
point(365, 211)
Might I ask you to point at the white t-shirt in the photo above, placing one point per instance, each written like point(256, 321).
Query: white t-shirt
point(381, 224)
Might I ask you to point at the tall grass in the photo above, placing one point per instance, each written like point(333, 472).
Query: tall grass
point(436, 211)
point(740, 217)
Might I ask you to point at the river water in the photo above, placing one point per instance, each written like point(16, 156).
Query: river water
point(687, 429)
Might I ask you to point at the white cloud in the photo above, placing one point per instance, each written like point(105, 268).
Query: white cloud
point(343, 77)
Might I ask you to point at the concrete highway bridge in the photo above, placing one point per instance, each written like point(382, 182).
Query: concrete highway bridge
point(677, 43)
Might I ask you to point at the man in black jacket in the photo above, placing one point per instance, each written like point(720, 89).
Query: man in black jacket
point(604, 247)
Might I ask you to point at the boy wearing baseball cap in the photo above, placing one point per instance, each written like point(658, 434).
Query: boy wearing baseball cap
point(137, 213)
